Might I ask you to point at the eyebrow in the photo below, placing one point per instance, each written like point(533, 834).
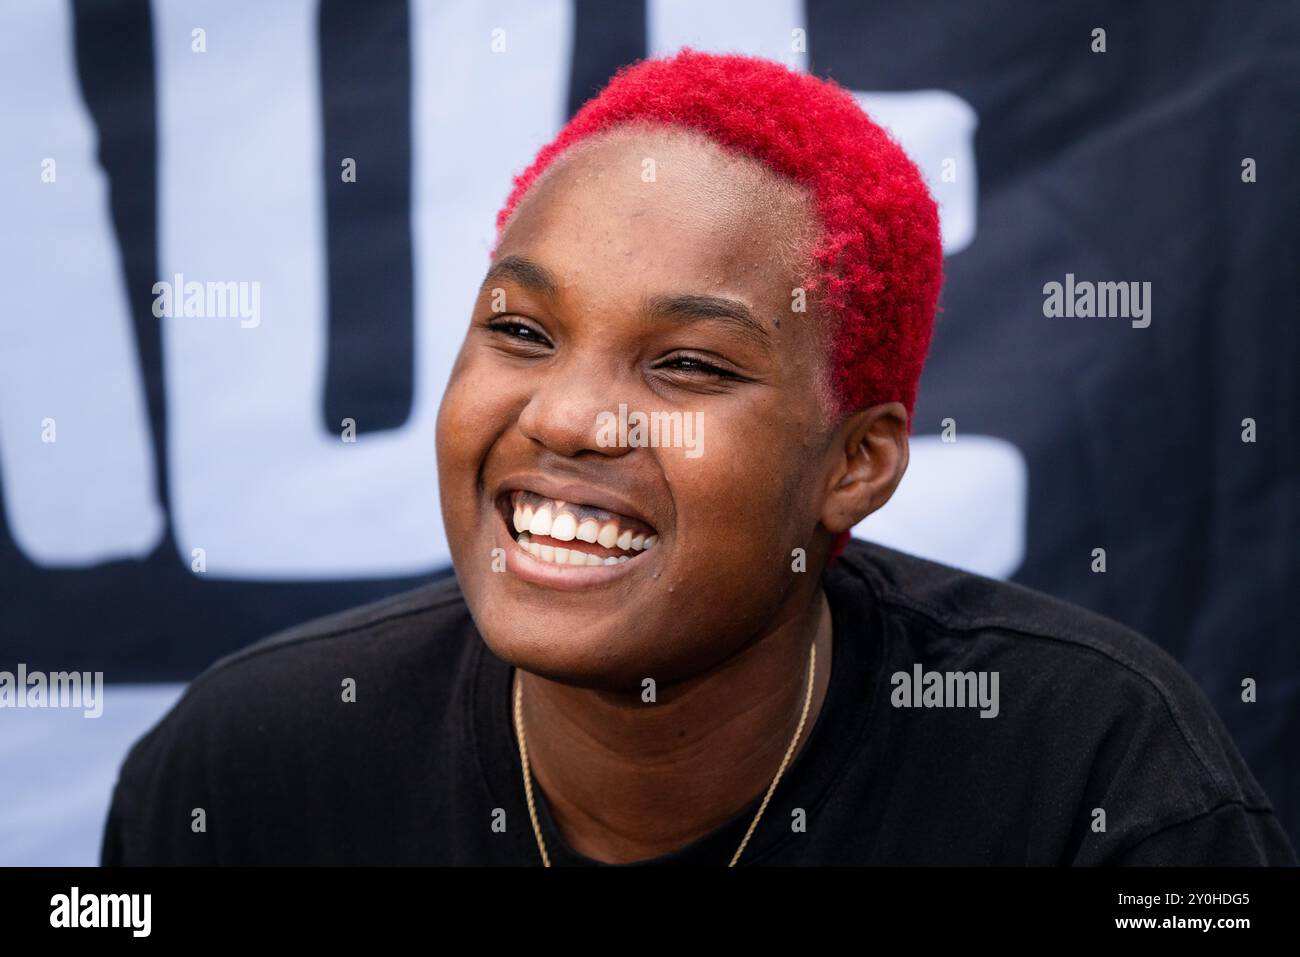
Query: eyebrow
point(524, 272)
point(696, 308)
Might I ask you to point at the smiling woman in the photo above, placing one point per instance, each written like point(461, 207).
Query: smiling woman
point(670, 666)
point(664, 296)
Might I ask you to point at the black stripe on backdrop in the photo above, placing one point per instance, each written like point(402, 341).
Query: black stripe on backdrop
point(606, 35)
point(115, 67)
point(365, 75)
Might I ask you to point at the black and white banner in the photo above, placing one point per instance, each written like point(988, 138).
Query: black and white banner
point(236, 235)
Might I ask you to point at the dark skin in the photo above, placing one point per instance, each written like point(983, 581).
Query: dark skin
point(598, 295)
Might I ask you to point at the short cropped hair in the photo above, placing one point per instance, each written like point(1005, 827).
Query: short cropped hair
point(878, 259)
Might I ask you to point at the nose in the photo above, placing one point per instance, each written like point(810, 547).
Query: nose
point(565, 410)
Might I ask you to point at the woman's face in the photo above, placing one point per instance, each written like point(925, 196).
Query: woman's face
point(646, 275)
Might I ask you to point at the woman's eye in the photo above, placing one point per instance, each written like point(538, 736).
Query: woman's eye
point(696, 366)
point(517, 330)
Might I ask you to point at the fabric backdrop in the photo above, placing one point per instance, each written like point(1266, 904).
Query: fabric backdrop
point(198, 493)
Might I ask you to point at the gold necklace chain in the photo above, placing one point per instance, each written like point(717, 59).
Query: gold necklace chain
point(789, 752)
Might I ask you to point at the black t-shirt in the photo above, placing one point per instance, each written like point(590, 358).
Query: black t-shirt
point(1102, 750)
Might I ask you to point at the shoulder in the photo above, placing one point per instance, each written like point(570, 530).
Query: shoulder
point(293, 682)
point(411, 622)
point(1083, 697)
point(948, 601)
point(379, 638)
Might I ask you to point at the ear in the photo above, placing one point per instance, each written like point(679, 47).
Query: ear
point(868, 457)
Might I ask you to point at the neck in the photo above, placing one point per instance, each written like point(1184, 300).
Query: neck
point(626, 780)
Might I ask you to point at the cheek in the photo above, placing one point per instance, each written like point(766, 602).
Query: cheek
point(476, 408)
point(745, 500)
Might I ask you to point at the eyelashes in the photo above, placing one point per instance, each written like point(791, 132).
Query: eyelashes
point(690, 366)
point(697, 366)
point(512, 328)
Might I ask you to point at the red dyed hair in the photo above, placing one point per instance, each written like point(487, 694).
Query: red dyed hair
point(878, 260)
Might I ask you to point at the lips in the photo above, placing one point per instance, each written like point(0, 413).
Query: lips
point(572, 533)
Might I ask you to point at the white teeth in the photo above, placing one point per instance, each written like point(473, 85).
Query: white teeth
point(564, 528)
point(541, 523)
point(553, 521)
point(558, 555)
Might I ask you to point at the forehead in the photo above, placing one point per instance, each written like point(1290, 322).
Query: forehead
point(649, 210)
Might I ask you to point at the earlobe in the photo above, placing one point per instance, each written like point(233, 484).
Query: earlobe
point(870, 463)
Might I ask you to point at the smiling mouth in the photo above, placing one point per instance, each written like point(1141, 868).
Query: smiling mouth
point(571, 533)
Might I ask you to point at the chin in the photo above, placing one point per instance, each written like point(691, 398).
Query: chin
point(576, 657)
